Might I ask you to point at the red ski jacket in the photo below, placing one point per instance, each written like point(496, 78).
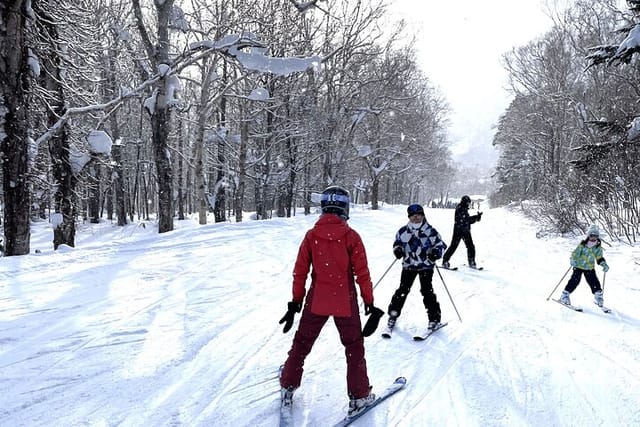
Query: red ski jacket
point(337, 254)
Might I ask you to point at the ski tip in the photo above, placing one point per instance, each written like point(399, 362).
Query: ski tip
point(385, 335)
point(401, 380)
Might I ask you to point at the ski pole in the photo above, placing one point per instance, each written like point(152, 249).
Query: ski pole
point(560, 281)
point(385, 273)
point(604, 277)
point(446, 289)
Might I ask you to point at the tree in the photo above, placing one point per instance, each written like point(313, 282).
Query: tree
point(15, 88)
point(159, 105)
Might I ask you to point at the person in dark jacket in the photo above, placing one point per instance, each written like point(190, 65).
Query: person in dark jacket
point(337, 254)
point(462, 231)
point(419, 245)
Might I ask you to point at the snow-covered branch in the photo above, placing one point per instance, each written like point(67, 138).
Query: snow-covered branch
point(231, 45)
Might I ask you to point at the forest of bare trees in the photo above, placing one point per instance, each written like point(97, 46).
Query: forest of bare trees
point(194, 130)
point(569, 140)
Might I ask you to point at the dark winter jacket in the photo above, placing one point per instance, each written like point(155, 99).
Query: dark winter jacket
point(336, 253)
point(463, 221)
point(417, 243)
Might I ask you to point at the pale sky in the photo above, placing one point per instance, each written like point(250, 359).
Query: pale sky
point(460, 45)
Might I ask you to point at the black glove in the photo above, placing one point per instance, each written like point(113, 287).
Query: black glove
point(398, 252)
point(292, 308)
point(374, 314)
point(433, 255)
point(479, 216)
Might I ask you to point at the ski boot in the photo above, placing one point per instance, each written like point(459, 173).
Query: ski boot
point(598, 298)
point(286, 395)
point(357, 405)
point(391, 322)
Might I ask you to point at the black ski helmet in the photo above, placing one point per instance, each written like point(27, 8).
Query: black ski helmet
point(335, 199)
point(466, 200)
point(415, 209)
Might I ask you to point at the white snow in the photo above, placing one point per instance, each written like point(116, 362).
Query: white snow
point(99, 142)
point(259, 94)
point(78, 160)
point(136, 328)
point(634, 129)
point(256, 60)
point(631, 42)
point(364, 150)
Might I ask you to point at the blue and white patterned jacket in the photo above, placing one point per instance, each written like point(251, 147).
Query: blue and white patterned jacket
point(417, 243)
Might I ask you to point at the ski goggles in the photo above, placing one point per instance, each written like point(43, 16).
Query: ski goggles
point(334, 198)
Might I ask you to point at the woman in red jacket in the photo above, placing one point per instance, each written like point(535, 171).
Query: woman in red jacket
point(337, 254)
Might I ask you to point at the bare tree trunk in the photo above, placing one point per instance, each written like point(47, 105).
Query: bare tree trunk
point(118, 183)
point(160, 116)
point(199, 153)
point(242, 163)
point(160, 133)
point(198, 174)
point(180, 174)
point(65, 231)
point(93, 186)
point(117, 186)
point(221, 192)
point(59, 145)
point(14, 87)
point(375, 188)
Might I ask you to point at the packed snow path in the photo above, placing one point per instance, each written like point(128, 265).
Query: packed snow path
point(135, 328)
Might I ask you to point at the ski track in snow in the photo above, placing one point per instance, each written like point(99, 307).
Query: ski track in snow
point(133, 328)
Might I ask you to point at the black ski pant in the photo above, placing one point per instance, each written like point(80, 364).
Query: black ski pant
point(589, 275)
point(455, 241)
point(429, 298)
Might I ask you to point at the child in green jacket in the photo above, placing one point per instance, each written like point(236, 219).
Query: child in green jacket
point(583, 260)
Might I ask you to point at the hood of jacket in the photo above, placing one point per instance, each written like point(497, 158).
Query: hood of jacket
point(330, 227)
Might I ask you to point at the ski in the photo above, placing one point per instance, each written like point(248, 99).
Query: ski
point(604, 309)
point(397, 385)
point(286, 408)
point(475, 268)
point(572, 307)
point(449, 268)
point(429, 332)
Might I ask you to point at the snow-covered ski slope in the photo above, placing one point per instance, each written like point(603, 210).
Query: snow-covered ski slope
point(135, 328)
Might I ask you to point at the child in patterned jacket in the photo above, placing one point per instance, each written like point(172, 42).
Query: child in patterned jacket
point(583, 259)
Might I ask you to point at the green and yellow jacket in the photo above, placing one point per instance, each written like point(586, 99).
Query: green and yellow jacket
point(585, 257)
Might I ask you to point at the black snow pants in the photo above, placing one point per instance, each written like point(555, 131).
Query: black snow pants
point(429, 298)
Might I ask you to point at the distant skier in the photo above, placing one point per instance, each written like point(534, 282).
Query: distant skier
point(336, 253)
point(583, 259)
point(462, 231)
point(419, 245)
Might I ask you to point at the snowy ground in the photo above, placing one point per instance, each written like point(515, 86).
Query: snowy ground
point(134, 328)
